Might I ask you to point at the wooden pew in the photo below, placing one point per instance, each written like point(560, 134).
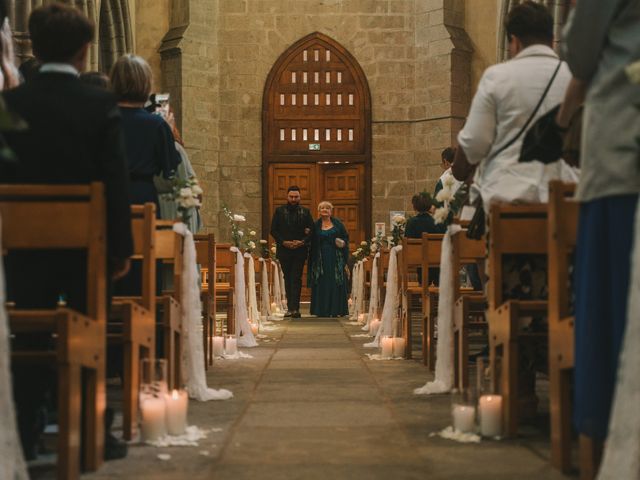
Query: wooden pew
point(431, 252)
point(383, 267)
point(514, 229)
point(224, 286)
point(562, 234)
point(36, 217)
point(132, 320)
point(467, 304)
point(206, 258)
point(411, 259)
point(169, 249)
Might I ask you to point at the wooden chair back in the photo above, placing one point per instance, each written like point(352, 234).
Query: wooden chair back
point(513, 229)
point(169, 247)
point(465, 251)
point(60, 217)
point(431, 251)
point(143, 225)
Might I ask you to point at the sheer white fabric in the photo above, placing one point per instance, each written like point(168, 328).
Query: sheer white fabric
point(443, 381)
point(283, 291)
point(191, 307)
point(243, 329)
point(356, 291)
point(374, 294)
point(277, 288)
point(265, 306)
point(361, 293)
point(254, 313)
point(389, 319)
point(12, 464)
point(622, 452)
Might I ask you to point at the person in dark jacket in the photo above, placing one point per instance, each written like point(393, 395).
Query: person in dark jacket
point(326, 270)
point(292, 228)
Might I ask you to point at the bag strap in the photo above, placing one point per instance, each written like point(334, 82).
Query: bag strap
point(531, 117)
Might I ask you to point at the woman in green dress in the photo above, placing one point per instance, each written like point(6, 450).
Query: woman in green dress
point(327, 261)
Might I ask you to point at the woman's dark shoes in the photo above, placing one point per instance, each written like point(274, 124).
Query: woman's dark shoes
point(114, 449)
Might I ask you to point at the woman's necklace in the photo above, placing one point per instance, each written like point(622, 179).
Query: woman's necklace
point(327, 224)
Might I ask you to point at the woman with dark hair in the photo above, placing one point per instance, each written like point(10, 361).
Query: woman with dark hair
point(422, 222)
point(327, 262)
point(148, 139)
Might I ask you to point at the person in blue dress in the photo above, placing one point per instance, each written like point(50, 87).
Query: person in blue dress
point(327, 261)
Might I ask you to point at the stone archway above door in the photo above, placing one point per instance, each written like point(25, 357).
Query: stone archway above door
point(316, 131)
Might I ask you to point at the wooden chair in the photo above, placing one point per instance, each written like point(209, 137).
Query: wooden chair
point(514, 229)
point(206, 258)
point(383, 267)
point(431, 253)
point(562, 234)
point(469, 306)
point(411, 260)
point(169, 249)
point(36, 217)
point(225, 277)
point(132, 320)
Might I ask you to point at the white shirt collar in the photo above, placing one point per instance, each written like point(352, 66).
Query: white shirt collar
point(537, 49)
point(59, 68)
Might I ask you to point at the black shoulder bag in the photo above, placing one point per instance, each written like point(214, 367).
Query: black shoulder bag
point(477, 224)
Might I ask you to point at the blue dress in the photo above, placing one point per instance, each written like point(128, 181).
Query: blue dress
point(329, 285)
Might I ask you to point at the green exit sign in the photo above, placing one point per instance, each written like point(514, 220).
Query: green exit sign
point(314, 146)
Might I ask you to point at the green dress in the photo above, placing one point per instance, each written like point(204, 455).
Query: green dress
point(326, 272)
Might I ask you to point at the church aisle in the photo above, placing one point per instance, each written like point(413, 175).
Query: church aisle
point(310, 406)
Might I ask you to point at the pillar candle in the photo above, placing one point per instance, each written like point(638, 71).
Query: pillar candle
point(350, 301)
point(254, 328)
point(231, 347)
point(153, 418)
point(386, 344)
point(361, 318)
point(398, 346)
point(374, 326)
point(218, 346)
point(464, 417)
point(490, 412)
point(176, 403)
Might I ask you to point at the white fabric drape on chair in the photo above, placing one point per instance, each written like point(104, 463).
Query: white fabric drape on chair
point(283, 291)
point(254, 313)
point(444, 349)
point(374, 294)
point(389, 317)
point(191, 309)
point(265, 306)
point(353, 315)
point(243, 329)
point(622, 451)
point(277, 291)
point(12, 464)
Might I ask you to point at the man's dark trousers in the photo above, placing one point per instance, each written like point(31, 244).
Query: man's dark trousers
point(292, 262)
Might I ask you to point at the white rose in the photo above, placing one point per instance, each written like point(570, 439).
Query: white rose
point(399, 219)
point(190, 202)
point(273, 249)
point(186, 192)
point(263, 242)
point(441, 214)
point(252, 233)
point(374, 247)
point(363, 243)
point(196, 189)
point(444, 195)
point(633, 72)
point(239, 218)
point(252, 245)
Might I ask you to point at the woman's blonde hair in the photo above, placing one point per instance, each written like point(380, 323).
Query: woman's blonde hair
point(131, 79)
point(325, 204)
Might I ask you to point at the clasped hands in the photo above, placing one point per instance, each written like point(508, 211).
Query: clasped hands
point(293, 244)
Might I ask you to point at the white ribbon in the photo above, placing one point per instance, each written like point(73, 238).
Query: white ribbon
point(443, 381)
point(243, 329)
point(277, 294)
point(361, 291)
point(191, 310)
point(264, 285)
point(12, 464)
point(355, 290)
point(374, 294)
point(391, 301)
point(283, 291)
point(254, 313)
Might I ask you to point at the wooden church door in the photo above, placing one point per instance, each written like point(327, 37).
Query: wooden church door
point(316, 133)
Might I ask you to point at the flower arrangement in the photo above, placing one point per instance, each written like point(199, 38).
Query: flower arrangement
point(452, 202)
point(186, 194)
point(376, 243)
point(363, 251)
point(398, 225)
point(237, 233)
point(263, 247)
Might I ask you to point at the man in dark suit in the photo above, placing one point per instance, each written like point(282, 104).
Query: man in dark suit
point(292, 228)
point(73, 137)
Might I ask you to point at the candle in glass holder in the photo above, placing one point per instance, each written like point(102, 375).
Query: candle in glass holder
point(153, 424)
point(361, 318)
point(374, 326)
point(490, 412)
point(231, 345)
point(398, 347)
point(386, 345)
point(464, 417)
point(254, 328)
point(218, 346)
point(274, 306)
point(176, 404)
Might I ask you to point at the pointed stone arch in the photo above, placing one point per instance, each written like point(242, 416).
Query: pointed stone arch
point(114, 32)
point(316, 130)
